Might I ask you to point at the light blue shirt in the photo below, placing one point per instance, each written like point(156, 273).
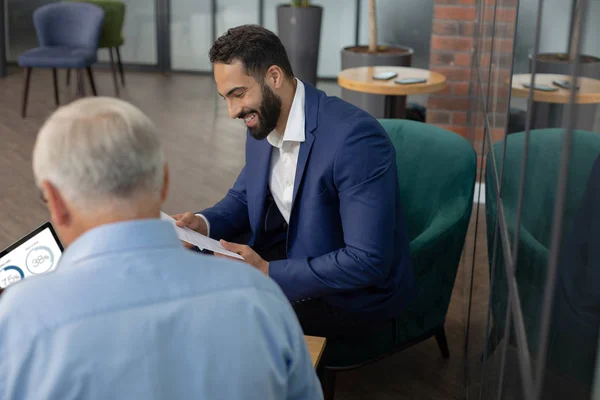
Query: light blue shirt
point(129, 313)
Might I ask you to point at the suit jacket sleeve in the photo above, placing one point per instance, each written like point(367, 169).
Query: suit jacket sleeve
point(366, 178)
point(229, 217)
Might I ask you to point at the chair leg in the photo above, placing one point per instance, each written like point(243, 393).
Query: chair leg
point(114, 70)
point(328, 383)
point(55, 81)
point(120, 66)
point(26, 80)
point(68, 76)
point(440, 337)
point(90, 74)
point(80, 84)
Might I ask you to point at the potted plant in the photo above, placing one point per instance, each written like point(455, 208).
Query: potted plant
point(299, 28)
point(373, 55)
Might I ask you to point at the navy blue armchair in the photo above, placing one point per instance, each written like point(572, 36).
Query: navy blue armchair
point(68, 35)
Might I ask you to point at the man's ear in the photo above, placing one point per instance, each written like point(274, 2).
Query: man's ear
point(59, 211)
point(165, 188)
point(275, 76)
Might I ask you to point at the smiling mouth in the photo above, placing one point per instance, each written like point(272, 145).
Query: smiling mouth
point(250, 119)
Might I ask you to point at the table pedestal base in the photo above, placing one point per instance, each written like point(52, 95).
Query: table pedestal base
point(551, 115)
point(395, 107)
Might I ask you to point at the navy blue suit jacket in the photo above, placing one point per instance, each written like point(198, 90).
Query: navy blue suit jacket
point(346, 240)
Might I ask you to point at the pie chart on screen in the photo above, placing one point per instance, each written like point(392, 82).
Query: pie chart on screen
point(9, 275)
point(39, 260)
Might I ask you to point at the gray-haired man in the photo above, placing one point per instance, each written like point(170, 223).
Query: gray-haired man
point(129, 313)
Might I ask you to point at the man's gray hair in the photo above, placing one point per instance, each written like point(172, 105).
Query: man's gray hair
point(99, 149)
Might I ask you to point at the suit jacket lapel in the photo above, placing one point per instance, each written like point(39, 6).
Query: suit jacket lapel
point(303, 154)
point(257, 178)
point(311, 108)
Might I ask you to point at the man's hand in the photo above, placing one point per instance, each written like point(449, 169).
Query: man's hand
point(249, 255)
point(193, 222)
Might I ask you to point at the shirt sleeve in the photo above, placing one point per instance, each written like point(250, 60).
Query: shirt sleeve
point(207, 223)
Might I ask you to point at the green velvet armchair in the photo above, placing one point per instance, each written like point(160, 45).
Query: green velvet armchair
point(111, 36)
point(436, 169)
point(543, 166)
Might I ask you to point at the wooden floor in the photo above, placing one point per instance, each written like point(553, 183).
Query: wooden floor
point(205, 149)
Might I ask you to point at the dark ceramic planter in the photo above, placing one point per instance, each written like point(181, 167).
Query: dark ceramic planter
point(299, 29)
point(356, 56)
point(547, 115)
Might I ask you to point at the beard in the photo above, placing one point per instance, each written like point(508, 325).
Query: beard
point(267, 114)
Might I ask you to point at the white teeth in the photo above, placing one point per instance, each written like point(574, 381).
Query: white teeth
point(249, 118)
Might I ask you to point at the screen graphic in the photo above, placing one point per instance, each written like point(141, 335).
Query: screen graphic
point(36, 256)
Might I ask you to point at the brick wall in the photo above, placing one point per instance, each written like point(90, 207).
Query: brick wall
point(453, 43)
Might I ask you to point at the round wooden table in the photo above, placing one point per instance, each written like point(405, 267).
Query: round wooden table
point(361, 80)
point(548, 107)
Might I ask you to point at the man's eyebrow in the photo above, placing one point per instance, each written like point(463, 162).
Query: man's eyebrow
point(232, 90)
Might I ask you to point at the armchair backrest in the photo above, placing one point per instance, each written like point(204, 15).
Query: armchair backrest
point(68, 24)
point(114, 18)
point(436, 170)
point(436, 167)
point(543, 165)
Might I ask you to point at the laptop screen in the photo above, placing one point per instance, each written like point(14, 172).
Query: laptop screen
point(35, 254)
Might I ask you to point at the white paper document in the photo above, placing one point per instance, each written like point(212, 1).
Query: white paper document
point(197, 239)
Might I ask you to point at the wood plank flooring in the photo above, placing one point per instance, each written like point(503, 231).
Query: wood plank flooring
point(205, 149)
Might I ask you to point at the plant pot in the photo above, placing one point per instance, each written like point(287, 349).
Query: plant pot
point(358, 56)
point(299, 29)
point(548, 115)
point(558, 63)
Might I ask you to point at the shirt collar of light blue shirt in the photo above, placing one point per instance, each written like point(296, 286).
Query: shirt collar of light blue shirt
point(120, 236)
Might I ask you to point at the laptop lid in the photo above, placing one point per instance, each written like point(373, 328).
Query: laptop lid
point(36, 253)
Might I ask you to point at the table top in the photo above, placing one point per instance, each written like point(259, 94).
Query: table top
point(316, 345)
point(588, 93)
point(361, 80)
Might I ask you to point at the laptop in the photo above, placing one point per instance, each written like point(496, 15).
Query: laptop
point(35, 254)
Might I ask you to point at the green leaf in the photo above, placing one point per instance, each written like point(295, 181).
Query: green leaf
point(300, 3)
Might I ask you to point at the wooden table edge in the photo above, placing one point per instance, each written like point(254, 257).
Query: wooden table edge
point(561, 97)
point(554, 98)
point(417, 88)
point(322, 349)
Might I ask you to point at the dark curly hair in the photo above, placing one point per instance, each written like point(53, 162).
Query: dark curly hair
point(255, 47)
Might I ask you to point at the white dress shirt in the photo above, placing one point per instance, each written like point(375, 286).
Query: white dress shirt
point(284, 157)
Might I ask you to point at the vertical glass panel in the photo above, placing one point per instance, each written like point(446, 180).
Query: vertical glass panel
point(485, 47)
point(573, 331)
point(401, 23)
point(191, 35)
point(571, 354)
point(21, 32)
point(337, 32)
point(232, 13)
point(476, 268)
point(139, 31)
point(512, 378)
point(554, 32)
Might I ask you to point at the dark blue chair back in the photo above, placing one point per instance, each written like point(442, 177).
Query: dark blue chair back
point(68, 25)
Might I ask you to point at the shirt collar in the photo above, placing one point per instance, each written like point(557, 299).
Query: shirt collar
point(294, 129)
point(120, 236)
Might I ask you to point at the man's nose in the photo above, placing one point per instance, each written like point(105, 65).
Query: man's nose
point(234, 110)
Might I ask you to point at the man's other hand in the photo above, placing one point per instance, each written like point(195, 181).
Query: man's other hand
point(250, 256)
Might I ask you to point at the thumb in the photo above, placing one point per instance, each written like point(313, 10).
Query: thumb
point(230, 246)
